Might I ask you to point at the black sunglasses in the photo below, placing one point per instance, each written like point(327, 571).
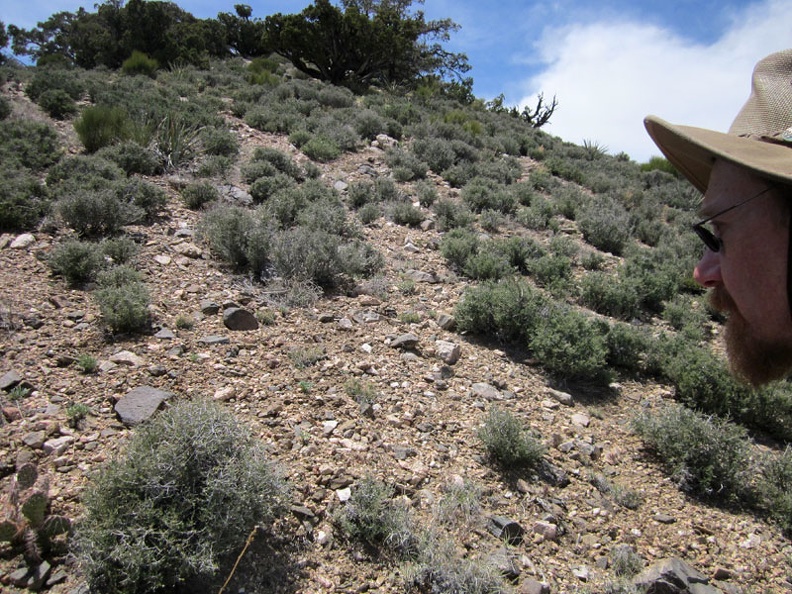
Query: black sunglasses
point(713, 243)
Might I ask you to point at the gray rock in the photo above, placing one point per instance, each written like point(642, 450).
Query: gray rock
point(214, 339)
point(127, 358)
point(236, 195)
point(405, 341)
point(140, 404)
point(422, 277)
point(446, 322)
point(23, 241)
point(9, 380)
point(239, 319)
point(340, 186)
point(562, 397)
point(532, 586)
point(35, 439)
point(506, 529)
point(366, 317)
point(209, 307)
point(58, 445)
point(449, 352)
point(674, 576)
point(486, 391)
point(165, 334)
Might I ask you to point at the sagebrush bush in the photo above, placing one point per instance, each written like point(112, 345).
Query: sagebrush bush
point(451, 215)
point(23, 199)
point(120, 250)
point(458, 245)
point(192, 482)
point(264, 188)
point(321, 148)
point(51, 79)
point(142, 194)
point(87, 172)
point(774, 489)
point(404, 213)
point(227, 230)
point(101, 126)
point(488, 263)
point(606, 225)
point(5, 108)
point(131, 157)
point(76, 261)
point(97, 213)
point(705, 455)
point(217, 141)
point(57, 104)
point(196, 195)
point(570, 345)
point(405, 165)
point(482, 193)
point(372, 516)
point(627, 346)
point(306, 254)
point(124, 306)
point(508, 442)
point(30, 143)
point(610, 295)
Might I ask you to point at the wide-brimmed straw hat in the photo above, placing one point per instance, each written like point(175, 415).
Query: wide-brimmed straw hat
point(760, 139)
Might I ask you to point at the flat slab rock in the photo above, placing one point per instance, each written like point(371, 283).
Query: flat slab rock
point(140, 404)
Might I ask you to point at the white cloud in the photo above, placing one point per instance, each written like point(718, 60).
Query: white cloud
point(608, 76)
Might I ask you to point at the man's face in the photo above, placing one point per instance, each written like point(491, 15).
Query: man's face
point(747, 276)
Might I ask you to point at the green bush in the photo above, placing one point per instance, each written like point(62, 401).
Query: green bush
point(305, 254)
point(321, 148)
point(101, 126)
point(368, 213)
point(131, 157)
point(139, 63)
point(374, 518)
point(551, 271)
point(278, 159)
point(123, 300)
point(325, 214)
point(427, 193)
point(142, 194)
point(488, 263)
point(483, 193)
point(508, 442)
point(359, 258)
point(192, 482)
point(569, 345)
point(610, 295)
point(51, 79)
point(32, 144)
point(451, 215)
point(405, 165)
point(264, 188)
point(120, 250)
point(83, 172)
point(774, 489)
point(76, 261)
point(508, 310)
point(404, 213)
point(23, 199)
point(197, 195)
point(57, 104)
point(606, 225)
point(705, 455)
point(218, 141)
point(97, 213)
point(227, 230)
point(627, 346)
point(5, 108)
point(458, 245)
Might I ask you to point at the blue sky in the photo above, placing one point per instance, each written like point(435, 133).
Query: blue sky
point(609, 62)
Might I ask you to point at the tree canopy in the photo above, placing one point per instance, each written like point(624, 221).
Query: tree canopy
point(368, 42)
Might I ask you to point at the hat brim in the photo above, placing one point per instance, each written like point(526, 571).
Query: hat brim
point(693, 152)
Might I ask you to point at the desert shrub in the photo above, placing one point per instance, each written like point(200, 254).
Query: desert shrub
point(299, 137)
point(192, 482)
point(368, 213)
point(57, 104)
point(460, 174)
point(483, 193)
point(334, 96)
point(405, 165)
point(610, 295)
point(23, 199)
point(437, 153)
point(264, 188)
point(681, 313)
point(76, 261)
point(627, 346)
point(439, 568)
point(551, 271)
point(325, 214)
point(123, 300)
point(427, 193)
point(306, 254)
point(196, 195)
point(257, 169)
point(101, 126)
point(458, 245)
point(359, 258)
point(142, 194)
point(488, 263)
point(568, 344)
point(5, 108)
point(492, 220)
point(220, 142)
point(120, 250)
point(175, 140)
point(139, 63)
point(460, 503)
point(386, 190)
point(451, 215)
point(278, 159)
point(321, 148)
point(277, 117)
point(32, 144)
point(287, 204)
point(537, 216)
point(605, 224)
point(97, 213)
point(774, 489)
point(84, 172)
point(227, 229)
point(131, 157)
point(373, 517)
point(368, 124)
point(705, 455)
point(51, 79)
point(404, 213)
point(505, 170)
point(508, 442)
point(508, 311)
point(360, 194)
point(214, 166)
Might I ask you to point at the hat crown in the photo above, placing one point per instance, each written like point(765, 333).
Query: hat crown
point(767, 115)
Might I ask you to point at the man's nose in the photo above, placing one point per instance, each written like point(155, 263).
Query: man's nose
point(707, 272)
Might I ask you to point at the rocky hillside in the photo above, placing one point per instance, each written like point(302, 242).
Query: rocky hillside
point(434, 388)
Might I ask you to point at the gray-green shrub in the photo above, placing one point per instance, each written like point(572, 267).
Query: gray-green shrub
point(192, 482)
point(508, 442)
point(606, 225)
point(196, 195)
point(76, 261)
point(97, 213)
point(123, 300)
